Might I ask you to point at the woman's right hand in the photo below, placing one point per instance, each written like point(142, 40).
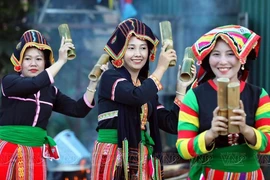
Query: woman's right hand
point(166, 57)
point(64, 47)
point(163, 62)
point(219, 124)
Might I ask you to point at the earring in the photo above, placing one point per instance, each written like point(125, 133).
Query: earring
point(243, 67)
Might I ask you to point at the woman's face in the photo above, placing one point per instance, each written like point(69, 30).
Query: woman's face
point(223, 62)
point(136, 54)
point(33, 62)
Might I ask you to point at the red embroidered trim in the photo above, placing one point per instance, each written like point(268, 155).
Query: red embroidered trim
point(157, 82)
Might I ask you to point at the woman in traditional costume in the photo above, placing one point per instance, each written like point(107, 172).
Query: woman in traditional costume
point(129, 113)
point(224, 52)
point(28, 99)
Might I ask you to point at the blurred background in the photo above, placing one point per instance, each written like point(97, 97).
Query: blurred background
point(91, 23)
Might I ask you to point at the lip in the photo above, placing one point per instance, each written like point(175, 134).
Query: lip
point(224, 70)
point(137, 61)
point(33, 70)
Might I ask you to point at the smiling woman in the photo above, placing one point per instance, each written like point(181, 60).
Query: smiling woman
point(27, 100)
point(223, 62)
point(136, 56)
point(128, 102)
point(221, 52)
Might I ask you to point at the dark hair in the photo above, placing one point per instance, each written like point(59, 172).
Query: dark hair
point(47, 58)
point(145, 69)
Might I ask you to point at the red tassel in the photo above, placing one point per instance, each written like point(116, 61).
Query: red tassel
point(151, 167)
point(152, 57)
point(17, 68)
point(118, 63)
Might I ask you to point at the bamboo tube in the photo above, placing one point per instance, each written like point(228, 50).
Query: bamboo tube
point(64, 32)
point(187, 63)
point(222, 98)
point(233, 103)
point(96, 71)
point(166, 37)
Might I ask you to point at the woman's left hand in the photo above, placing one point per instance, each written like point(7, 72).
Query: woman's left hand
point(240, 119)
point(104, 67)
point(181, 83)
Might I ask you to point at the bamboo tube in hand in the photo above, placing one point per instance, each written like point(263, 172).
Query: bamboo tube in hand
point(96, 71)
point(187, 63)
point(64, 32)
point(233, 103)
point(222, 98)
point(166, 37)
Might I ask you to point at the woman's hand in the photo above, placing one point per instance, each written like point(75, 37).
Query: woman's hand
point(219, 124)
point(103, 67)
point(64, 47)
point(240, 119)
point(164, 60)
point(166, 57)
point(181, 83)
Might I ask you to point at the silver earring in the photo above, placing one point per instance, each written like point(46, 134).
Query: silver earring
point(243, 67)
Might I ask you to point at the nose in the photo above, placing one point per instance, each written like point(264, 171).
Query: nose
point(223, 59)
point(33, 62)
point(137, 52)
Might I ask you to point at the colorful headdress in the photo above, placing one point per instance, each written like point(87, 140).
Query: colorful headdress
point(241, 40)
point(117, 44)
point(31, 38)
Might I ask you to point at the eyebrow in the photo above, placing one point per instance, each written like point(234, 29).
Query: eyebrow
point(136, 44)
point(34, 56)
point(219, 51)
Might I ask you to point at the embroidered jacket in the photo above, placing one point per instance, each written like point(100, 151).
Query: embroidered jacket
point(120, 101)
point(30, 101)
point(197, 112)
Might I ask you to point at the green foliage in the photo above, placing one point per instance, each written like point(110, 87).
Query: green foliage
point(13, 22)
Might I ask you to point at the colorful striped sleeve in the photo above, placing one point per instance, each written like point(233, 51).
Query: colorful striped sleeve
point(262, 125)
point(189, 143)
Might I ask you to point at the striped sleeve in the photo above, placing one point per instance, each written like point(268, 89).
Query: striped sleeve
point(189, 143)
point(262, 124)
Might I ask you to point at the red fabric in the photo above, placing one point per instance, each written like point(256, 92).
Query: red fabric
point(21, 162)
point(217, 174)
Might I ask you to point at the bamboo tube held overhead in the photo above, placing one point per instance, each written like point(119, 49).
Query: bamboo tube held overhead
point(166, 37)
point(64, 32)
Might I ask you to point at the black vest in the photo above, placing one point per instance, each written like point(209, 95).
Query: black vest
point(207, 101)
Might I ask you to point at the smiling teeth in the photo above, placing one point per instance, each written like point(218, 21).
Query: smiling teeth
point(223, 68)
